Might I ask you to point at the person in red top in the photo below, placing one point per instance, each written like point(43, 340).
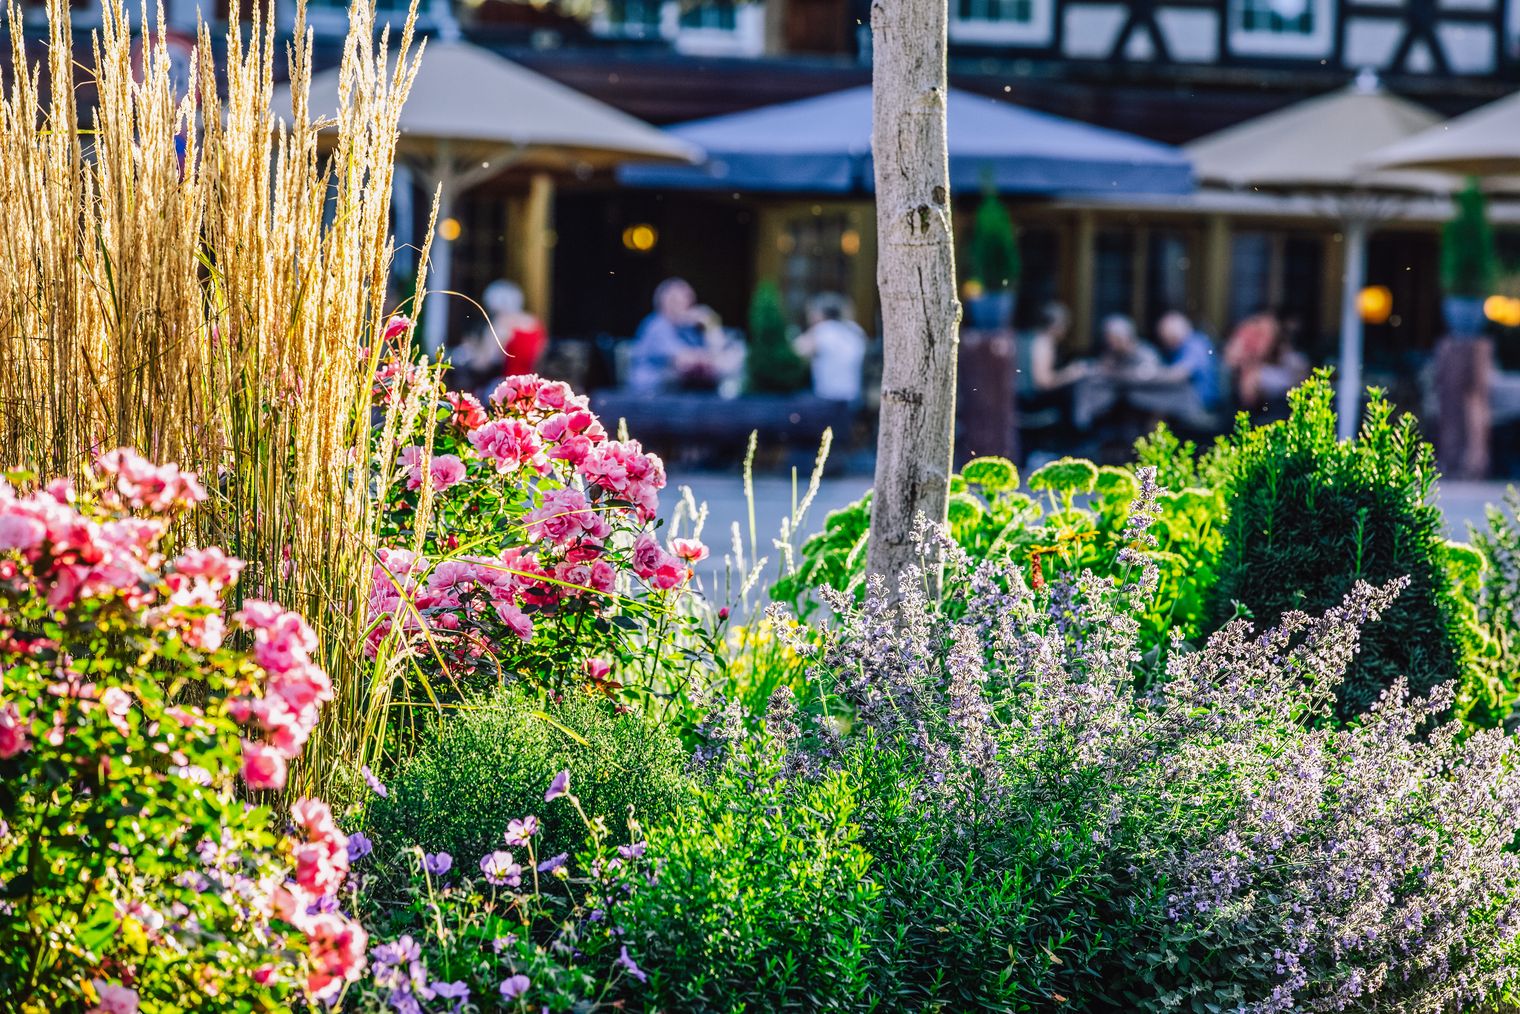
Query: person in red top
point(514, 340)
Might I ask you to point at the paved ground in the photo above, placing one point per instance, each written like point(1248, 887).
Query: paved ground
point(1462, 502)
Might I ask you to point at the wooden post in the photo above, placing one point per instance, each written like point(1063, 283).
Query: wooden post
point(915, 274)
point(1084, 268)
point(538, 255)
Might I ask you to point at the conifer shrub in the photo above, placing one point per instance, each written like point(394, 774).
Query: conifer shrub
point(770, 365)
point(1310, 516)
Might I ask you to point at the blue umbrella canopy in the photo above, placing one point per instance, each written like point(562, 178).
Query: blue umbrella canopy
point(823, 145)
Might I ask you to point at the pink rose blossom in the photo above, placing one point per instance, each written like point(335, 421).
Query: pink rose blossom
point(689, 550)
point(20, 532)
point(13, 732)
point(335, 949)
point(263, 766)
point(510, 445)
point(114, 999)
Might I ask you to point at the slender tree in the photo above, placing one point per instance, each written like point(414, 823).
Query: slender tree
point(915, 272)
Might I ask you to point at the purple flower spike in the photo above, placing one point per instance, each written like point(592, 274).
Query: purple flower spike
point(514, 987)
point(559, 787)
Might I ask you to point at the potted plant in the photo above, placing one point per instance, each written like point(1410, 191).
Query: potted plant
point(1468, 263)
point(770, 365)
point(994, 265)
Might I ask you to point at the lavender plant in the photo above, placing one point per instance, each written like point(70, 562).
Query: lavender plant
point(1251, 856)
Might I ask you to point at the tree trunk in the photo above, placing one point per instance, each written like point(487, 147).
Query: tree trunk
point(915, 272)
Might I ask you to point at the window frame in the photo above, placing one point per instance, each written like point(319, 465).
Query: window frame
point(1319, 41)
point(1038, 30)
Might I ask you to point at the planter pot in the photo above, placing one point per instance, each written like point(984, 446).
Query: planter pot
point(1464, 316)
point(990, 312)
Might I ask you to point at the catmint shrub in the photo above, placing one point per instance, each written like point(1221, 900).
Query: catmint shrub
point(136, 872)
point(1247, 854)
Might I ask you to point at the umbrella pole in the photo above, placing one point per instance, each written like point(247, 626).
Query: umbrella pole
point(435, 329)
point(1348, 401)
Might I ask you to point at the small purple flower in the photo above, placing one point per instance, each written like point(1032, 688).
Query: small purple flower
point(628, 963)
point(502, 943)
point(437, 863)
point(633, 851)
point(376, 785)
point(559, 787)
point(359, 846)
point(519, 831)
point(554, 863)
point(459, 992)
point(500, 869)
point(514, 987)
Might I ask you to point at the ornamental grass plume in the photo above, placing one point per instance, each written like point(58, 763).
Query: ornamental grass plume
point(198, 275)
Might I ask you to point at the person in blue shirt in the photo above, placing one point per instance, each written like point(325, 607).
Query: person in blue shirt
point(680, 345)
point(1189, 356)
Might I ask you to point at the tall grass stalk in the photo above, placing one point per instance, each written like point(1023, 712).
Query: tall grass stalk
point(211, 307)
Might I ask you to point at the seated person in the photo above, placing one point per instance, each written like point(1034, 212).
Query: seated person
point(681, 345)
point(1038, 377)
point(511, 343)
point(835, 346)
point(1188, 357)
point(1124, 355)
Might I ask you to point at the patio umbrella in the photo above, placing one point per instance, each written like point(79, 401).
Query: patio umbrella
point(1484, 142)
point(823, 145)
point(472, 114)
point(1319, 147)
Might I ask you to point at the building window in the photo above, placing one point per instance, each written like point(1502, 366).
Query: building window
point(716, 16)
point(1026, 22)
point(630, 19)
point(1286, 28)
point(1276, 17)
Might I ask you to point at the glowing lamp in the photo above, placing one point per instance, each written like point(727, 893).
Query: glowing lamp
point(1375, 304)
point(1502, 310)
point(640, 238)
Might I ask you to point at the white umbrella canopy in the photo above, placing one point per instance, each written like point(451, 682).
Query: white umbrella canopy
point(471, 115)
point(1484, 142)
point(1320, 146)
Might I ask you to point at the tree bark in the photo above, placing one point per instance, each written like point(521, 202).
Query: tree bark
point(915, 273)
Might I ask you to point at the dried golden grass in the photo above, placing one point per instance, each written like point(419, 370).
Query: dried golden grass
point(211, 310)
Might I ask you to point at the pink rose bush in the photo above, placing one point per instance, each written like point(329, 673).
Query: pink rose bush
point(134, 873)
point(540, 537)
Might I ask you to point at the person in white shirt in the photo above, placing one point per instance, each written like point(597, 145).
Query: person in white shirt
point(835, 346)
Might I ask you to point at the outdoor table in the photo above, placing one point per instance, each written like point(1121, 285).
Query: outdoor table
point(1097, 394)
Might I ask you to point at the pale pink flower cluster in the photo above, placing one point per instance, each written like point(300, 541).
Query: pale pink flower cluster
point(454, 595)
point(294, 688)
point(142, 484)
point(335, 944)
point(585, 491)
